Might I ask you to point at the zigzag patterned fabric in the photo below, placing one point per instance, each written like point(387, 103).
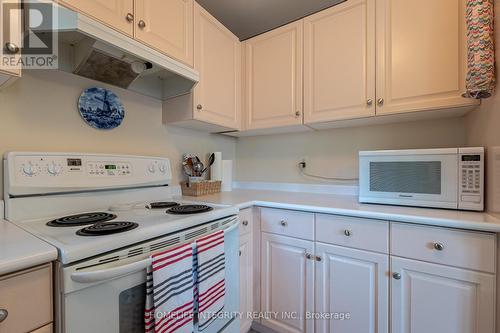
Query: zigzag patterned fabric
point(480, 81)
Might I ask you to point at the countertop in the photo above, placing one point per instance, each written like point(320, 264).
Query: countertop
point(348, 205)
point(20, 250)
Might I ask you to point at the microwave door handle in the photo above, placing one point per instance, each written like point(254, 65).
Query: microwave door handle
point(110, 273)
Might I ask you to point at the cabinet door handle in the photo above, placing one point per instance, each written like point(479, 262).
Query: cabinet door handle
point(438, 246)
point(396, 276)
point(141, 24)
point(283, 223)
point(245, 223)
point(309, 256)
point(11, 48)
point(3, 314)
point(240, 253)
point(199, 107)
point(297, 114)
point(380, 101)
point(129, 17)
point(369, 102)
point(318, 258)
point(347, 233)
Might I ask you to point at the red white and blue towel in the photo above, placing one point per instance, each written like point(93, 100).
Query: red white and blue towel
point(169, 295)
point(210, 278)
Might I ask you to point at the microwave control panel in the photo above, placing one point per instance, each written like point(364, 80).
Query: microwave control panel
point(471, 178)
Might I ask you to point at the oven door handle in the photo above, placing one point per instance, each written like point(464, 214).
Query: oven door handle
point(110, 273)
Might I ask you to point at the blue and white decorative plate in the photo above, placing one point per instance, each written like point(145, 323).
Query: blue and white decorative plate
point(101, 108)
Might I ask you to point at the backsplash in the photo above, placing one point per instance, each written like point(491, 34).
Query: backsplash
point(39, 113)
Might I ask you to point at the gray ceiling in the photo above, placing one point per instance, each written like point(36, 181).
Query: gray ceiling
point(247, 18)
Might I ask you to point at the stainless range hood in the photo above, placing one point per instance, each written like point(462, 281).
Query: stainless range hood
point(93, 50)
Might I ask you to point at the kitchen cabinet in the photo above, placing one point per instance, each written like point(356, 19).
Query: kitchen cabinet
point(215, 102)
point(117, 14)
point(26, 300)
point(287, 283)
point(273, 78)
point(166, 25)
point(246, 281)
point(436, 298)
point(339, 62)
point(10, 50)
point(353, 283)
point(424, 68)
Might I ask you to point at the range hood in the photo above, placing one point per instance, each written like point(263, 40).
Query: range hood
point(91, 49)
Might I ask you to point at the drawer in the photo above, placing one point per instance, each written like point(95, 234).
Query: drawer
point(246, 221)
point(366, 234)
point(27, 296)
point(467, 249)
point(288, 222)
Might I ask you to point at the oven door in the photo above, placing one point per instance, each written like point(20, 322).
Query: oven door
point(428, 180)
point(112, 298)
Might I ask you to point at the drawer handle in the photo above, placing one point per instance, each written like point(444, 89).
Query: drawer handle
point(283, 223)
point(438, 246)
point(347, 233)
point(245, 223)
point(3, 314)
point(396, 276)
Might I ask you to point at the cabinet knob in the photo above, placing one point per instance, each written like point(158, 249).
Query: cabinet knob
point(129, 17)
point(396, 276)
point(369, 102)
point(245, 223)
point(141, 24)
point(11, 48)
point(380, 101)
point(240, 253)
point(283, 223)
point(347, 233)
point(297, 114)
point(318, 258)
point(438, 246)
point(199, 107)
point(3, 314)
point(309, 256)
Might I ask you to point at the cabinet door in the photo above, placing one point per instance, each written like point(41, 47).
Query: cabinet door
point(434, 298)
point(421, 55)
point(217, 97)
point(274, 78)
point(11, 33)
point(110, 12)
point(339, 62)
point(354, 283)
point(166, 25)
point(246, 282)
point(287, 283)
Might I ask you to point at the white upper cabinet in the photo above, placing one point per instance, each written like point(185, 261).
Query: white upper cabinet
point(217, 97)
point(339, 62)
point(166, 25)
point(11, 38)
point(421, 55)
point(436, 298)
point(273, 78)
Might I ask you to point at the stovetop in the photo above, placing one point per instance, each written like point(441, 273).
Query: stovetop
point(118, 226)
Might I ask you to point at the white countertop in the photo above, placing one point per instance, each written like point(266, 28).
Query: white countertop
point(348, 205)
point(21, 250)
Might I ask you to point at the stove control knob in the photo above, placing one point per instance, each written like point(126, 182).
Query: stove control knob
point(152, 168)
point(54, 169)
point(162, 168)
point(29, 169)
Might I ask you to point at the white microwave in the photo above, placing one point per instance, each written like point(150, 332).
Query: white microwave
point(451, 178)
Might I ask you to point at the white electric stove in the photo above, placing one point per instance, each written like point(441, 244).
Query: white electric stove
point(106, 214)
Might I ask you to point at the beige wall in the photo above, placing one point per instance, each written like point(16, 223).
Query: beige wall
point(39, 113)
point(334, 152)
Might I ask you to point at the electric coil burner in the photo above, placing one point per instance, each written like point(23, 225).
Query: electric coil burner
point(162, 205)
point(107, 228)
point(189, 209)
point(81, 219)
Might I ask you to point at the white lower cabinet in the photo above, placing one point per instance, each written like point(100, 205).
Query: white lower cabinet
point(352, 286)
point(287, 283)
point(246, 282)
point(436, 298)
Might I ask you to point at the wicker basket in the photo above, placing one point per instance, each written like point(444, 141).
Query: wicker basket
point(201, 188)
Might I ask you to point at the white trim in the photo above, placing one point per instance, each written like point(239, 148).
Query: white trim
point(295, 187)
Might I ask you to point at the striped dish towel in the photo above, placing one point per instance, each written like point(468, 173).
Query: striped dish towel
point(210, 278)
point(169, 295)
